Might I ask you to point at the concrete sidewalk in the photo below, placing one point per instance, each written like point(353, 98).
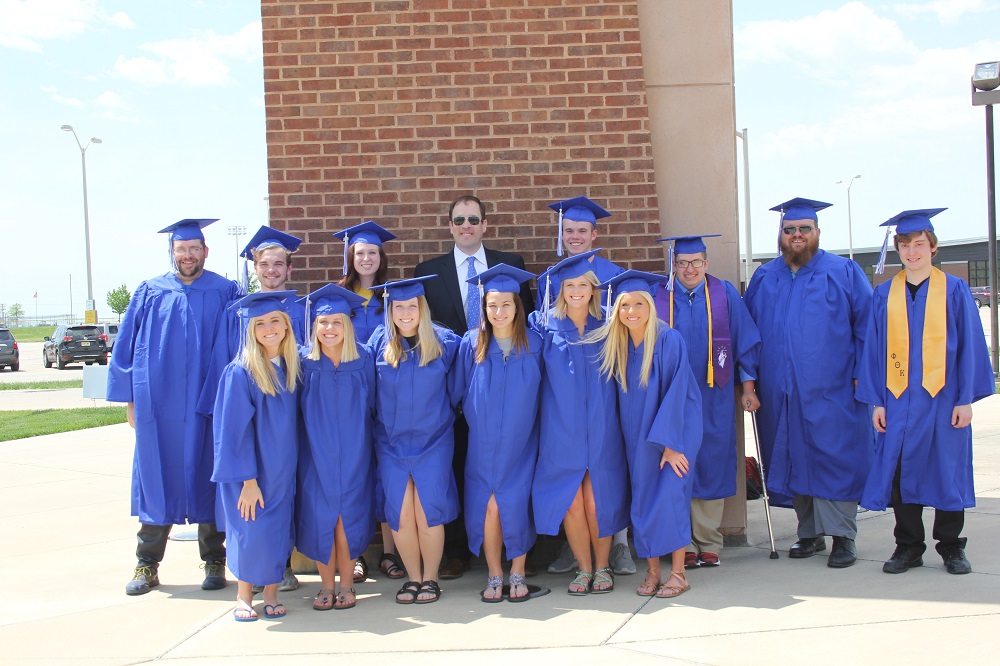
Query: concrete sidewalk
point(68, 547)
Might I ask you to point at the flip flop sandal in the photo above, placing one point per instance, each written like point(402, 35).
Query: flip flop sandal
point(271, 612)
point(360, 570)
point(324, 600)
point(517, 580)
point(604, 575)
point(668, 591)
point(243, 606)
point(342, 597)
point(647, 583)
point(408, 593)
point(583, 579)
point(429, 587)
point(391, 566)
point(493, 583)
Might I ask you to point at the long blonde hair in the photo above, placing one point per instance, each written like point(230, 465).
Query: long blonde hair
point(259, 365)
point(559, 311)
point(615, 343)
point(349, 351)
point(428, 345)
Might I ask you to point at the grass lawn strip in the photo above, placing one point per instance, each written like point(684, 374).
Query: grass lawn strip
point(34, 422)
point(29, 386)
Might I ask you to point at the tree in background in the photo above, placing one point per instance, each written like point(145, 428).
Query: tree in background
point(118, 300)
point(254, 285)
point(15, 312)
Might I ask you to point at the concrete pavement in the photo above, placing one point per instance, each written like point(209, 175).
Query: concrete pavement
point(68, 546)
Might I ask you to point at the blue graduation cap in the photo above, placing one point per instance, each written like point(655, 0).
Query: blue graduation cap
point(189, 229)
point(907, 222)
point(633, 280)
point(682, 245)
point(502, 277)
point(800, 209)
point(578, 209)
point(331, 299)
point(262, 302)
point(571, 267)
point(268, 237)
point(366, 232)
point(403, 290)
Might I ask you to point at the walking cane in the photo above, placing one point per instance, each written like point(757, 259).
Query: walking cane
point(763, 483)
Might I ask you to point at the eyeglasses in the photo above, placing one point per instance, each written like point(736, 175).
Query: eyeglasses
point(805, 229)
point(459, 221)
point(694, 263)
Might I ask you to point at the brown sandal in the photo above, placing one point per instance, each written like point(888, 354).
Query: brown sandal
point(324, 600)
point(650, 585)
point(342, 599)
point(668, 591)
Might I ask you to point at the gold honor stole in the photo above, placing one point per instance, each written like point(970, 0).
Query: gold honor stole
point(897, 361)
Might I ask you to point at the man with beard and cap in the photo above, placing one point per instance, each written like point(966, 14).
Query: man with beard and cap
point(811, 309)
point(160, 366)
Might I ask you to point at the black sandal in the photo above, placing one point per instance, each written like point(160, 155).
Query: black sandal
point(390, 566)
point(408, 593)
point(429, 587)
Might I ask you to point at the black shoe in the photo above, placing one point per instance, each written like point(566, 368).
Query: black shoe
point(144, 579)
point(807, 547)
point(955, 561)
point(904, 558)
point(215, 575)
point(843, 554)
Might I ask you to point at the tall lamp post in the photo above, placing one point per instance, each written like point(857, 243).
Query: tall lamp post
point(850, 226)
point(747, 250)
point(237, 231)
point(91, 314)
point(984, 83)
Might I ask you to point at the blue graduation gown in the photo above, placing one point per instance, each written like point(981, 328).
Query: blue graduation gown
point(337, 455)
point(366, 318)
point(603, 269)
point(815, 437)
point(664, 414)
point(256, 437)
point(500, 401)
point(579, 432)
point(413, 429)
point(715, 470)
point(162, 362)
point(935, 458)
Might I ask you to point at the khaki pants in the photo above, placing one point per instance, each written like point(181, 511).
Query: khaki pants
point(706, 516)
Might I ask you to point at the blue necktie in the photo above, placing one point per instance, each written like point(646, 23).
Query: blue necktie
point(472, 304)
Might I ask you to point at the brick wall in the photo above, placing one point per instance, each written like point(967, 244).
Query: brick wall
point(389, 109)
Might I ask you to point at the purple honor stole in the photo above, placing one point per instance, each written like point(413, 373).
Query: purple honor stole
point(720, 337)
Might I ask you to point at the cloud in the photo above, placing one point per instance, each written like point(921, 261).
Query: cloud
point(947, 11)
point(25, 23)
point(68, 101)
point(201, 60)
point(111, 100)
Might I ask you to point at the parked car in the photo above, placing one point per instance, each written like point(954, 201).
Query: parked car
point(981, 295)
point(75, 344)
point(10, 357)
point(111, 331)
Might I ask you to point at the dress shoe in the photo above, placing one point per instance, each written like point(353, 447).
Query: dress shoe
point(453, 568)
point(807, 547)
point(955, 561)
point(843, 554)
point(144, 579)
point(904, 558)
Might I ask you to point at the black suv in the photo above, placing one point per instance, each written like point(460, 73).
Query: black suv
point(74, 344)
point(9, 355)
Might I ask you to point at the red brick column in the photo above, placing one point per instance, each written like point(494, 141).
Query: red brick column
point(388, 109)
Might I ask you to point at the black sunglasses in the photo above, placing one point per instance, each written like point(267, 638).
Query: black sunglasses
point(459, 221)
point(805, 229)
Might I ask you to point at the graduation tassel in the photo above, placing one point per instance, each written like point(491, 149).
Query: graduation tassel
point(345, 252)
point(559, 243)
point(482, 310)
point(880, 267)
point(670, 260)
point(545, 302)
point(387, 320)
point(244, 280)
point(309, 326)
point(607, 308)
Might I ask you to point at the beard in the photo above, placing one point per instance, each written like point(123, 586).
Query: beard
point(796, 258)
point(191, 271)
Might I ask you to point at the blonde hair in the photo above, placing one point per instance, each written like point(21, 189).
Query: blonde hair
point(349, 351)
point(259, 365)
point(559, 311)
point(427, 342)
point(614, 337)
point(519, 338)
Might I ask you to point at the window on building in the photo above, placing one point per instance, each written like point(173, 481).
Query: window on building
point(979, 275)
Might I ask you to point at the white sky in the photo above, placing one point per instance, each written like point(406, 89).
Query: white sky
point(827, 90)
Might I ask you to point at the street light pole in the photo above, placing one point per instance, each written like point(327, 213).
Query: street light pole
point(850, 235)
point(86, 221)
point(747, 250)
point(237, 231)
point(984, 93)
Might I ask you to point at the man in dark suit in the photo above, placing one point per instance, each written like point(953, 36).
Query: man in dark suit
point(452, 305)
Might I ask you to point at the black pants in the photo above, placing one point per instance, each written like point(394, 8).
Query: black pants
point(153, 542)
point(456, 540)
point(910, 523)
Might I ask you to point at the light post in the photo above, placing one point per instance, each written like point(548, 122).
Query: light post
point(747, 250)
point(91, 315)
point(237, 231)
point(850, 236)
point(984, 81)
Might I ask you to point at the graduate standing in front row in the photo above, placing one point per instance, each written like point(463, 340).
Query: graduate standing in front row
point(659, 407)
point(414, 440)
point(256, 450)
point(925, 362)
point(498, 374)
point(335, 517)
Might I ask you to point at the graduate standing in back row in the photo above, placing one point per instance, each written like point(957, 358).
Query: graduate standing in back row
point(925, 362)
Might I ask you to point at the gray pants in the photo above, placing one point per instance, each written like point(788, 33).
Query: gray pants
point(819, 517)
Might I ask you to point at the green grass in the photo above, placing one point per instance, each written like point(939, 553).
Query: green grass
point(34, 422)
point(32, 333)
point(24, 386)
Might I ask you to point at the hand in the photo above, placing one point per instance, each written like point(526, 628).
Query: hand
point(250, 497)
point(130, 414)
point(749, 400)
point(878, 419)
point(961, 416)
point(678, 461)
